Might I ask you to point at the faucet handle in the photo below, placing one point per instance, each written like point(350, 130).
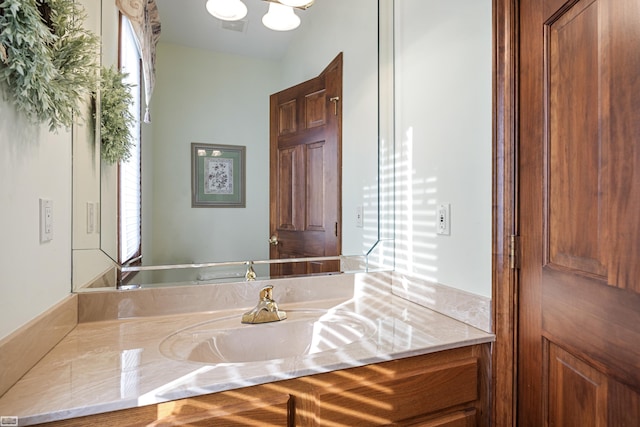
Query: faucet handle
point(266, 293)
point(250, 275)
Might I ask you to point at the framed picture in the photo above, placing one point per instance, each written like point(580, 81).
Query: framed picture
point(217, 176)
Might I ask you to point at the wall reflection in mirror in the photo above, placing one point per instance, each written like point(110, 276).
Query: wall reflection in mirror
point(213, 82)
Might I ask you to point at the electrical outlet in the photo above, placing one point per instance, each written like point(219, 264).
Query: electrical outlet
point(46, 220)
point(443, 219)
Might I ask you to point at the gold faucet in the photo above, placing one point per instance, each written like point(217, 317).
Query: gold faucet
point(266, 310)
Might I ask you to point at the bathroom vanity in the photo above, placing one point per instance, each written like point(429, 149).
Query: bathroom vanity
point(447, 388)
point(372, 358)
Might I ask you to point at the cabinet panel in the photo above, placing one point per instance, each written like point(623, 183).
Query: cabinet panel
point(393, 394)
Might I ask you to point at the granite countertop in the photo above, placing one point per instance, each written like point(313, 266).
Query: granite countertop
point(117, 364)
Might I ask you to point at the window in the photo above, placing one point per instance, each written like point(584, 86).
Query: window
point(129, 179)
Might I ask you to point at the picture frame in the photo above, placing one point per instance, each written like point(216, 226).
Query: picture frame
point(218, 175)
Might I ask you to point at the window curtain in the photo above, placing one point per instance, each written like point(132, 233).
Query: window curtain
point(145, 21)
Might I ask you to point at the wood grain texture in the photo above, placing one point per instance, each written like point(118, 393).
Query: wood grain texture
point(407, 394)
point(439, 389)
point(623, 156)
point(579, 308)
point(530, 134)
point(575, 223)
point(504, 295)
point(577, 392)
point(464, 418)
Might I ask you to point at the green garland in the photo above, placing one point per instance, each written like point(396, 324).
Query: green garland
point(48, 61)
point(115, 117)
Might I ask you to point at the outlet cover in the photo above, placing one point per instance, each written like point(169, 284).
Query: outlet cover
point(443, 219)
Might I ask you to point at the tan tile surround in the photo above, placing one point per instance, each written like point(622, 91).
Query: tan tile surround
point(19, 351)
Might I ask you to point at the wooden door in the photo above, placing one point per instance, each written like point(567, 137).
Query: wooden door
point(305, 178)
point(579, 211)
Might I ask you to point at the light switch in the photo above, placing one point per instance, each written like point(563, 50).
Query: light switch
point(46, 220)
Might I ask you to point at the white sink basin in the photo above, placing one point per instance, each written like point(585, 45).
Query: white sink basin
point(304, 332)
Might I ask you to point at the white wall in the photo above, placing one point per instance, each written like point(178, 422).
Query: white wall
point(212, 98)
point(443, 112)
point(33, 164)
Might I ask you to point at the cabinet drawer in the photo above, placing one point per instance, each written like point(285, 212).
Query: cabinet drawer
point(456, 419)
point(388, 395)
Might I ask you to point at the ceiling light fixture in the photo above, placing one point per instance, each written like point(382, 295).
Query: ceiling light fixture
point(301, 4)
point(227, 10)
point(280, 17)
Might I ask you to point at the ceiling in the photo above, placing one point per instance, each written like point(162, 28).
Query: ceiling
point(186, 22)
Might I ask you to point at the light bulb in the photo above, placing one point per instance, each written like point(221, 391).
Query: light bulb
point(227, 10)
point(280, 18)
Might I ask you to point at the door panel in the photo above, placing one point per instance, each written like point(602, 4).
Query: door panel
point(575, 223)
point(315, 109)
point(290, 176)
point(623, 154)
point(602, 322)
point(305, 189)
point(316, 158)
point(577, 392)
point(579, 212)
point(287, 119)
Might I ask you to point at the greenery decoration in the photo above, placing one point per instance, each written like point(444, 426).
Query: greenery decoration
point(116, 119)
point(48, 61)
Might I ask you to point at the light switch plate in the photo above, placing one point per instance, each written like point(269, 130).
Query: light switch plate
point(359, 216)
point(46, 220)
point(91, 217)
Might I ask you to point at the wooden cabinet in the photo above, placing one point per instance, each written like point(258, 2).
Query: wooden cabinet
point(445, 389)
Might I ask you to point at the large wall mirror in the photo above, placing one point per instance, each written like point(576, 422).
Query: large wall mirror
point(213, 83)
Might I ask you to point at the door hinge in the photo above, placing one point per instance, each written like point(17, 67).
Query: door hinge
point(336, 229)
point(514, 252)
